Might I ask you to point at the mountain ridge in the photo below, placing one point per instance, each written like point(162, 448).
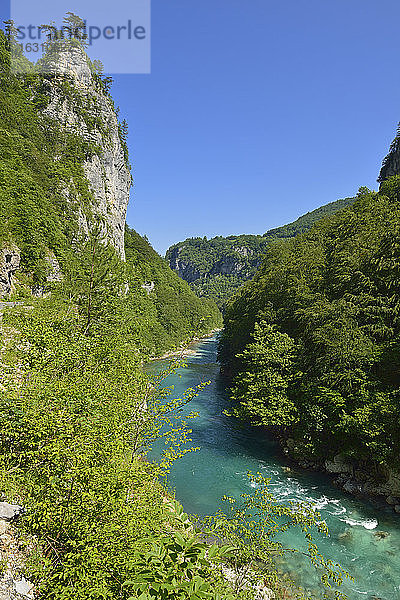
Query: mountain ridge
point(217, 267)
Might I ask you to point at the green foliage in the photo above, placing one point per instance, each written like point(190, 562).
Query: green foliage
point(262, 390)
point(255, 526)
point(305, 222)
point(94, 278)
point(78, 414)
point(43, 192)
point(313, 340)
point(34, 209)
point(74, 434)
point(123, 136)
point(179, 566)
point(172, 311)
point(216, 268)
point(76, 427)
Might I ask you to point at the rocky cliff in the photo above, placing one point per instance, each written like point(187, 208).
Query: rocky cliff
point(82, 107)
point(10, 261)
point(356, 477)
point(236, 260)
point(64, 166)
point(217, 267)
point(391, 164)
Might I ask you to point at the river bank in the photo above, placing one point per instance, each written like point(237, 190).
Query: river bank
point(362, 538)
point(187, 348)
point(376, 483)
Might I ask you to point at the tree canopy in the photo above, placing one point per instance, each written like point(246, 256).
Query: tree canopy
point(313, 340)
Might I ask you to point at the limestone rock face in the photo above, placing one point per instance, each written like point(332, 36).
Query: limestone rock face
point(15, 589)
point(239, 262)
point(63, 59)
point(54, 273)
point(243, 251)
point(391, 163)
point(89, 112)
point(13, 585)
point(8, 512)
point(10, 259)
point(229, 265)
point(184, 269)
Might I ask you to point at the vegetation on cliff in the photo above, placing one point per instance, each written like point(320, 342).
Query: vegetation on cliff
point(78, 414)
point(313, 340)
point(391, 163)
point(216, 268)
point(34, 212)
point(44, 192)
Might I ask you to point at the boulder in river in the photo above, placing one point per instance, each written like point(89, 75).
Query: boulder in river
point(345, 535)
point(381, 535)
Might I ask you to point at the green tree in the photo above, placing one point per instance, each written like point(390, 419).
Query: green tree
point(328, 360)
point(95, 277)
point(261, 391)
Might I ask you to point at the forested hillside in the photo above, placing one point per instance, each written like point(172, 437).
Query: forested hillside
point(312, 343)
point(216, 268)
point(78, 414)
point(166, 309)
point(53, 201)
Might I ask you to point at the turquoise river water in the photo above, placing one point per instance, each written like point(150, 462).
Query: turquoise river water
point(228, 452)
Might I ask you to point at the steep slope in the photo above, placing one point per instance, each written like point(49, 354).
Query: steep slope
point(391, 163)
point(64, 188)
point(77, 100)
point(313, 344)
point(216, 268)
point(167, 311)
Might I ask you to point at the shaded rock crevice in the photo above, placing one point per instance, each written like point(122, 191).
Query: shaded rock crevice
point(13, 584)
point(10, 261)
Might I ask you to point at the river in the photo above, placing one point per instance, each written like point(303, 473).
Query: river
point(228, 452)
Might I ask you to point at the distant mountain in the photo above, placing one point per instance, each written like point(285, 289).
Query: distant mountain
point(216, 268)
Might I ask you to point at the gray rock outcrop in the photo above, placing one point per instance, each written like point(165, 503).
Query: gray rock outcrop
point(148, 287)
point(15, 589)
point(8, 512)
point(10, 260)
point(184, 269)
point(13, 585)
point(88, 111)
point(54, 269)
point(339, 464)
point(238, 262)
point(358, 478)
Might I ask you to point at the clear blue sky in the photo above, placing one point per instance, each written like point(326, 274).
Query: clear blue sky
point(258, 111)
